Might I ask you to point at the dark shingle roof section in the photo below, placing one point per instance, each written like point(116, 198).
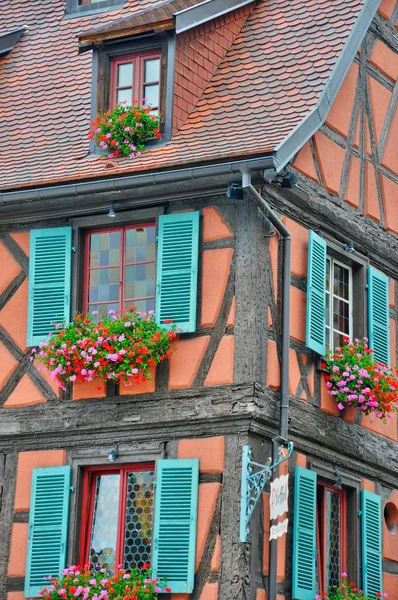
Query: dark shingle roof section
point(145, 18)
point(268, 82)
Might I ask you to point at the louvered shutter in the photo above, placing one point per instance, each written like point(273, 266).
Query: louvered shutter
point(372, 571)
point(177, 269)
point(49, 281)
point(304, 535)
point(48, 526)
point(174, 539)
point(316, 294)
point(379, 317)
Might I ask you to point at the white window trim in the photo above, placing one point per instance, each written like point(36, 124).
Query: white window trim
point(329, 319)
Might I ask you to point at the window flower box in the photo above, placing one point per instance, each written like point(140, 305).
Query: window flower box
point(355, 379)
point(125, 347)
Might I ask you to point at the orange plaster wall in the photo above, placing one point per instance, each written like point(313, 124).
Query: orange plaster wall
point(389, 157)
point(388, 429)
point(210, 591)
point(390, 540)
point(214, 226)
point(301, 460)
point(328, 404)
point(297, 314)
point(386, 8)
point(385, 59)
point(9, 268)
point(183, 365)
point(14, 316)
point(208, 493)
point(352, 190)
point(304, 162)
point(215, 561)
point(380, 99)
point(15, 596)
point(390, 191)
point(340, 113)
point(23, 240)
point(222, 368)
point(215, 270)
point(25, 394)
point(331, 158)
point(231, 316)
point(390, 585)
point(210, 452)
point(371, 202)
point(46, 375)
point(368, 485)
point(273, 368)
point(7, 364)
point(32, 460)
point(392, 293)
point(299, 248)
point(19, 544)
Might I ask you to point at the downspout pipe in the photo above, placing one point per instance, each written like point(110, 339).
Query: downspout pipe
point(284, 394)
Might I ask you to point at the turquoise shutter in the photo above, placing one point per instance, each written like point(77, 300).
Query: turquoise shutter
point(379, 315)
point(174, 539)
point(177, 269)
point(372, 571)
point(304, 535)
point(48, 526)
point(316, 294)
point(49, 281)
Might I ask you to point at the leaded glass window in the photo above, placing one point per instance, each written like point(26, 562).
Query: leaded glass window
point(331, 530)
point(117, 516)
point(121, 269)
point(339, 298)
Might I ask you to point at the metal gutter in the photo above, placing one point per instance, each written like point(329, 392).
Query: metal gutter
point(310, 125)
point(127, 182)
point(284, 394)
point(206, 11)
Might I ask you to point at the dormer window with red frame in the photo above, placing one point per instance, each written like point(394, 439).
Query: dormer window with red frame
point(136, 78)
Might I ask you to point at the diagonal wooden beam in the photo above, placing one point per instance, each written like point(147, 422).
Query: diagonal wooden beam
point(16, 251)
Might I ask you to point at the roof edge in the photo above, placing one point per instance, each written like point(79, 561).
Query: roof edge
point(9, 39)
point(127, 182)
point(206, 11)
point(312, 122)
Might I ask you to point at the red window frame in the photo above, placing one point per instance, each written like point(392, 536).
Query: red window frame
point(321, 543)
point(138, 76)
point(87, 512)
point(122, 263)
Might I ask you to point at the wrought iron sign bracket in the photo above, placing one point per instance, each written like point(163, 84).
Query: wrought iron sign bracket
point(254, 479)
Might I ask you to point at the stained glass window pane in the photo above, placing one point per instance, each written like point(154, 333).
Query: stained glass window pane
point(332, 538)
point(138, 531)
point(105, 521)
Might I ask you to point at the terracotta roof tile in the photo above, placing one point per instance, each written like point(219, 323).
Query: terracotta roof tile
point(267, 82)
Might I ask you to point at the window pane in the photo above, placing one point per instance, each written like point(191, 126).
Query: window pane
point(332, 538)
point(152, 70)
point(138, 532)
point(151, 93)
point(105, 521)
point(125, 75)
point(124, 95)
point(341, 281)
point(341, 320)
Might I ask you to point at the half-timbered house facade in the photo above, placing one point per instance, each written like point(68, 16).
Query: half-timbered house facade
point(279, 127)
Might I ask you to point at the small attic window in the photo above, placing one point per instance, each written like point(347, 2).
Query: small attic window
point(84, 6)
point(136, 77)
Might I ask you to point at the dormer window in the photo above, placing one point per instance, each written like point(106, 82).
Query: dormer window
point(136, 78)
point(90, 6)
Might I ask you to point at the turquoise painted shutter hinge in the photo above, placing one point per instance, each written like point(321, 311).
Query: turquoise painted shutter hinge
point(304, 535)
point(48, 526)
point(174, 535)
point(177, 270)
point(379, 315)
point(49, 281)
point(372, 569)
point(316, 294)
